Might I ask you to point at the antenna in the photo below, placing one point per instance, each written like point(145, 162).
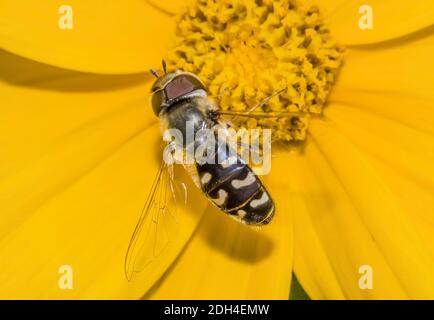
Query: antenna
point(163, 62)
point(154, 73)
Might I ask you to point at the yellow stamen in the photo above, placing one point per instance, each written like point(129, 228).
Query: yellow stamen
point(245, 51)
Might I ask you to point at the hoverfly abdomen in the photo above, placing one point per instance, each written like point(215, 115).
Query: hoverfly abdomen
point(235, 189)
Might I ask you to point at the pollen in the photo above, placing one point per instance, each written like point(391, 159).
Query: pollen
point(267, 63)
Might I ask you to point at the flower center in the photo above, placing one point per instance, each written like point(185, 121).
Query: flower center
point(274, 61)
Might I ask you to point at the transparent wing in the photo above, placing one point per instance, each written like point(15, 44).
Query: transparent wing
point(157, 227)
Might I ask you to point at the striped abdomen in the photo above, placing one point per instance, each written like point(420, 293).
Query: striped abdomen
point(235, 189)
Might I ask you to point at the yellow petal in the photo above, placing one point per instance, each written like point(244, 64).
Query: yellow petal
point(382, 104)
point(88, 226)
point(106, 37)
point(360, 221)
point(402, 155)
point(391, 19)
point(393, 81)
point(79, 159)
point(418, 201)
point(310, 253)
point(405, 150)
point(331, 241)
point(61, 116)
point(387, 97)
point(228, 260)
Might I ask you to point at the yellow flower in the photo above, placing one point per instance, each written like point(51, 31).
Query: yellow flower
point(79, 152)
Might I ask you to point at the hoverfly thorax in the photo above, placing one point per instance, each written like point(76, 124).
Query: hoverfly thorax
point(174, 87)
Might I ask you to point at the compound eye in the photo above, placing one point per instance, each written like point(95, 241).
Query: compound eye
point(157, 101)
point(182, 85)
point(196, 83)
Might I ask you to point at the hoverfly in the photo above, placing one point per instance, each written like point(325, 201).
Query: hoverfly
point(179, 97)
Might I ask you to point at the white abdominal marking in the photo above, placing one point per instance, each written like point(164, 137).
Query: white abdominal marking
point(257, 202)
point(241, 213)
point(228, 162)
point(206, 177)
point(222, 197)
point(243, 183)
